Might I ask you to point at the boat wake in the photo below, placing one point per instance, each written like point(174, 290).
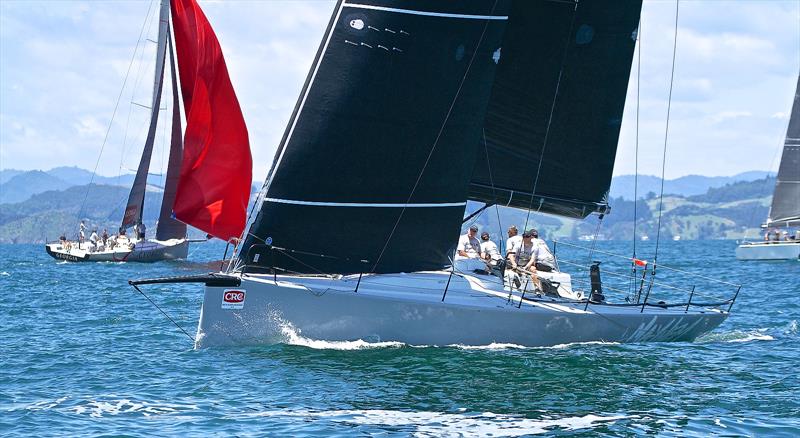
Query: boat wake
point(500, 346)
point(292, 336)
point(446, 424)
point(737, 336)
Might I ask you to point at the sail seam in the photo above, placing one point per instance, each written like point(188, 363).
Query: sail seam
point(427, 13)
point(365, 204)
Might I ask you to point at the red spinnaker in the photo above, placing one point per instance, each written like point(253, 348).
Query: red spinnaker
point(217, 168)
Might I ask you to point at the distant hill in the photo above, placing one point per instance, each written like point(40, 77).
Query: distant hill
point(22, 186)
point(623, 186)
point(7, 174)
point(19, 185)
point(726, 212)
point(46, 215)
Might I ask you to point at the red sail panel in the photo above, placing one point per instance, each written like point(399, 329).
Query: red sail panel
point(216, 173)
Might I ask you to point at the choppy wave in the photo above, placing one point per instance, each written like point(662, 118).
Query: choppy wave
point(437, 424)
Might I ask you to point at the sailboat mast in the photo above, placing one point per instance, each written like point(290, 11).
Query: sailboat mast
point(134, 208)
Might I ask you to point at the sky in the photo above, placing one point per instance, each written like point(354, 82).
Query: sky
point(63, 64)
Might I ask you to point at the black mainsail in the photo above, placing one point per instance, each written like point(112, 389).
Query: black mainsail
point(785, 209)
point(377, 157)
point(558, 95)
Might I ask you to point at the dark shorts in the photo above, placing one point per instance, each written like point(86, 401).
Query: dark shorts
point(544, 268)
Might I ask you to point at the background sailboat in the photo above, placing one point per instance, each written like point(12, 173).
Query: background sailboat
point(209, 171)
point(782, 228)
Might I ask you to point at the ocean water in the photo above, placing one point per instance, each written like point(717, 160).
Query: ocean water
point(84, 354)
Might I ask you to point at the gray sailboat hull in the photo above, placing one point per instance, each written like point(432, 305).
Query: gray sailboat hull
point(146, 252)
point(409, 308)
point(768, 251)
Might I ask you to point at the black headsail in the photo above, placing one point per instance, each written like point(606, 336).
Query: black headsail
point(169, 227)
point(377, 157)
point(559, 95)
point(785, 210)
point(134, 207)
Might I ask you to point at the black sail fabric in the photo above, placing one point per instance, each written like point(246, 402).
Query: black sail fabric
point(168, 226)
point(785, 209)
point(377, 157)
point(572, 60)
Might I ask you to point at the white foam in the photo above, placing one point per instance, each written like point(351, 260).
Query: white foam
point(753, 337)
point(292, 337)
point(44, 405)
point(5, 274)
point(445, 424)
point(99, 409)
point(791, 328)
point(501, 346)
point(492, 346)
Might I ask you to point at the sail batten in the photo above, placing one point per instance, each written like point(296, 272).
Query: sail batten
point(785, 208)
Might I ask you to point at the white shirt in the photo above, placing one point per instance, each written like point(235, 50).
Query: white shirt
point(471, 246)
point(513, 243)
point(490, 248)
point(542, 254)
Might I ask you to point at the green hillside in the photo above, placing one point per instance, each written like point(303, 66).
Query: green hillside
point(727, 212)
point(46, 215)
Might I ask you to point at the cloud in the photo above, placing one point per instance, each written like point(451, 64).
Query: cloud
point(62, 65)
point(729, 115)
point(88, 126)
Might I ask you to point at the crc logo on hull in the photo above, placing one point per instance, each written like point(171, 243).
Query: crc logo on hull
point(233, 298)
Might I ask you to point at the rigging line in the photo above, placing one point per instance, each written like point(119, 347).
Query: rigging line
point(136, 80)
point(550, 117)
point(164, 313)
point(594, 240)
point(666, 135)
point(114, 113)
point(494, 192)
point(636, 147)
point(632, 282)
point(438, 136)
